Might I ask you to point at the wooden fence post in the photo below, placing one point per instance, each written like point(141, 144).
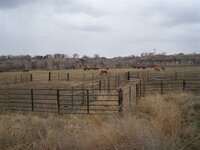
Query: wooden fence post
point(115, 81)
point(161, 87)
point(184, 85)
point(32, 103)
point(130, 96)
point(128, 75)
point(108, 84)
point(119, 83)
point(92, 90)
point(31, 77)
point(67, 76)
point(88, 102)
point(137, 93)
point(140, 86)
point(58, 100)
point(120, 101)
point(49, 76)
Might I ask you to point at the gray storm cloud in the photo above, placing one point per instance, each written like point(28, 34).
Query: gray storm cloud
point(107, 27)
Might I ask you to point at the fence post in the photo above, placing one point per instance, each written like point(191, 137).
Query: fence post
point(72, 97)
point(67, 76)
point(31, 77)
point(130, 96)
point(184, 85)
point(161, 86)
point(108, 84)
point(100, 86)
point(32, 104)
point(128, 75)
point(140, 87)
point(115, 81)
point(120, 101)
point(49, 76)
point(58, 100)
point(137, 93)
point(92, 90)
point(88, 100)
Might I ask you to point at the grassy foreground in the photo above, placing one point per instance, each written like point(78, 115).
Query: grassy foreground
point(157, 123)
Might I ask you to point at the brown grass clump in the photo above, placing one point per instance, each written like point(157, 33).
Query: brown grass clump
point(157, 122)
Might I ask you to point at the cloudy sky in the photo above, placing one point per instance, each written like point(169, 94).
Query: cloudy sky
point(106, 27)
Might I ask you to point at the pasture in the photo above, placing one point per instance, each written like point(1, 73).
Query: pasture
point(84, 91)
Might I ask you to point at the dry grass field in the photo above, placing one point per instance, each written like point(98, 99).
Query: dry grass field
point(160, 122)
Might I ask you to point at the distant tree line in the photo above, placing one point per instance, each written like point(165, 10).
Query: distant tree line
point(62, 61)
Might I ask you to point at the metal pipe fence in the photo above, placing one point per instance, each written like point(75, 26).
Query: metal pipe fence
point(166, 86)
point(149, 76)
point(62, 101)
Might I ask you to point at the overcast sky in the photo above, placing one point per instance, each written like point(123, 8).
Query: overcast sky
point(106, 27)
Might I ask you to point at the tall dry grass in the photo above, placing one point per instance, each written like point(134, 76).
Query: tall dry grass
point(156, 123)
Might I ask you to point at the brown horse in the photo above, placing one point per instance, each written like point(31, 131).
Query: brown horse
point(163, 68)
point(143, 67)
point(103, 72)
point(157, 69)
point(87, 69)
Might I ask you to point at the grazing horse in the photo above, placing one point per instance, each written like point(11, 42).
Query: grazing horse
point(143, 67)
point(138, 67)
point(157, 69)
point(163, 68)
point(87, 69)
point(103, 72)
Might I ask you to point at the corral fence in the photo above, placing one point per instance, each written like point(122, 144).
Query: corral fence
point(166, 86)
point(66, 76)
point(149, 76)
point(15, 78)
point(63, 101)
point(110, 80)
